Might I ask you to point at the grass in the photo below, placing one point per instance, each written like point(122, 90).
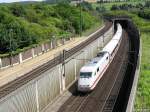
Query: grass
point(143, 91)
point(109, 5)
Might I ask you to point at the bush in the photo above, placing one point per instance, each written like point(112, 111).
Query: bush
point(144, 13)
point(147, 4)
point(115, 7)
point(86, 6)
point(17, 10)
point(22, 25)
point(101, 9)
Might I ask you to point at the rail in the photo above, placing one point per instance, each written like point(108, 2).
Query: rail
point(123, 99)
point(20, 81)
point(99, 99)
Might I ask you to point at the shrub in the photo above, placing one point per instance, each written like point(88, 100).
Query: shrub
point(22, 25)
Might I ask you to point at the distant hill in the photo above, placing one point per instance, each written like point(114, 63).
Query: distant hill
point(58, 1)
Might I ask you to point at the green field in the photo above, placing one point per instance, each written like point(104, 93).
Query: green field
point(143, 91)
point(109, 5)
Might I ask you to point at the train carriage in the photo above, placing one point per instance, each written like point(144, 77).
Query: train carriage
point(91, 73)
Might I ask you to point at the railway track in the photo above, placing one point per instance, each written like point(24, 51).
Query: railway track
point(105, 95)
point(20, 81)
point(103, 98)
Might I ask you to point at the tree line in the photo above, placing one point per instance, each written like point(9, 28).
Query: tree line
point(23, 25)
point(142, 10)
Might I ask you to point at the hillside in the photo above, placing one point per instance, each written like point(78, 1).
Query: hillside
point(23, 25)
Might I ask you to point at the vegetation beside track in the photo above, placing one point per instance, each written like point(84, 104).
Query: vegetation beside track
point(23, 25)
point(31, 24)
point(142, 21)
point(143, 91)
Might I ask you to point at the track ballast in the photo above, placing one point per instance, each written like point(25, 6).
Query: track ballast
point(103, 98)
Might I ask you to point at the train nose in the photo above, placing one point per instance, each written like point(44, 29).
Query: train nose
point(83, 84)
point(84, 88)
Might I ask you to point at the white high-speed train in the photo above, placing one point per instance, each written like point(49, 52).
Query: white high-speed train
point(91, 73)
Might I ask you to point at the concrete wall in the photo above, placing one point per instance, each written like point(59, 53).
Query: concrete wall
point(38, 93)
point(130, 106)
point(34, 96)
point(31, 53)
point(38, 50)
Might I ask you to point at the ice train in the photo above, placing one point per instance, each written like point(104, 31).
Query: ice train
point(92, 72)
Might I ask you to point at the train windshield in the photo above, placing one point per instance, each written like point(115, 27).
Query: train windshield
point(85, 74)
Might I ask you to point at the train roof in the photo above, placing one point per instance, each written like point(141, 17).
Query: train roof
point(90, 65)
point(95, 60)
point(93, 63)
point(110, 46)
point(114, 41)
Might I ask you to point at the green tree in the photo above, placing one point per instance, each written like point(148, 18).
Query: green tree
point(17, 9)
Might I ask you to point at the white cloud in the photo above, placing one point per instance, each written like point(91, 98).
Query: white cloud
point(9, 1)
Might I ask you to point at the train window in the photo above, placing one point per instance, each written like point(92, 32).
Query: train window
point(100, 54)
point(97, 69)
point(85, 74)
point(106, 58)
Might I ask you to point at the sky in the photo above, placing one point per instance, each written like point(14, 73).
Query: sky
point(9, 1)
